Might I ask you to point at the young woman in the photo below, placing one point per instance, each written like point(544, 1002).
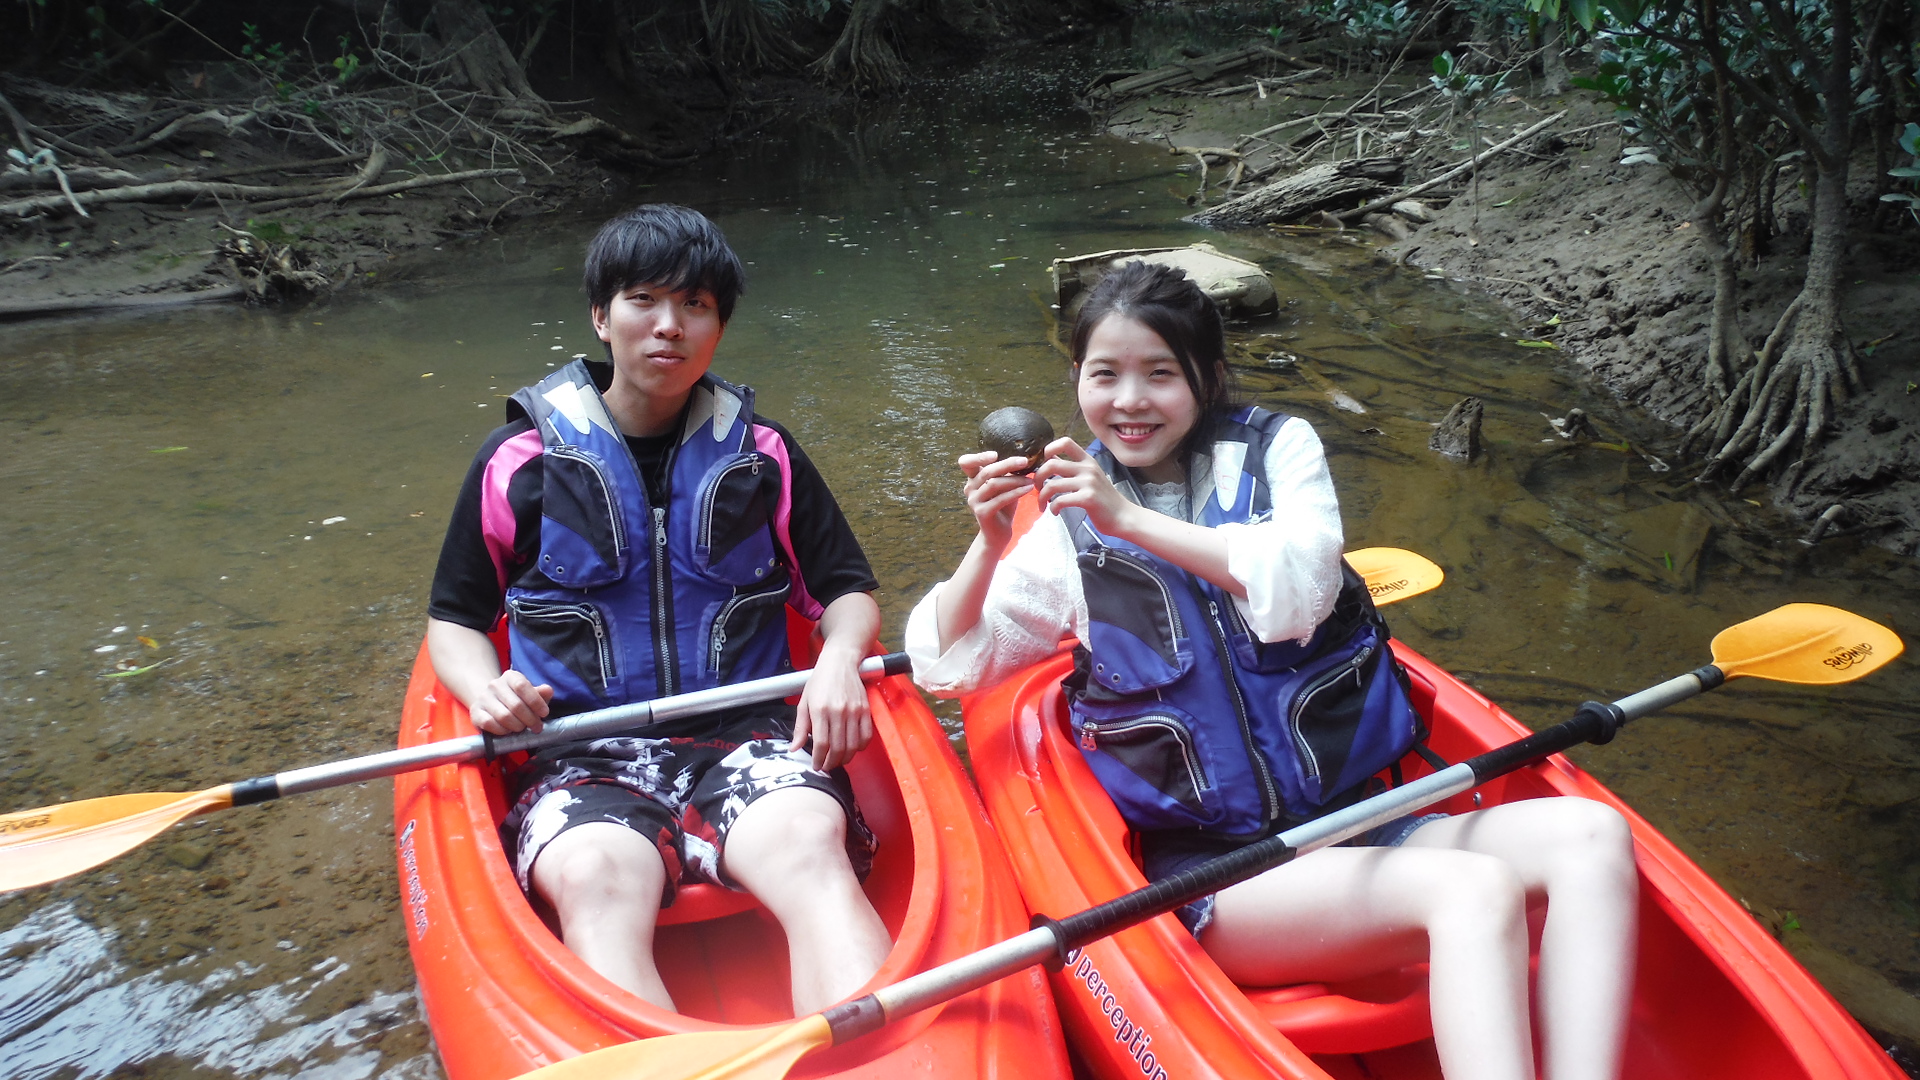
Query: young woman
point(1194, 551)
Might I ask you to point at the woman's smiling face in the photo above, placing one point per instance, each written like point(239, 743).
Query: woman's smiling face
point(1136, 398)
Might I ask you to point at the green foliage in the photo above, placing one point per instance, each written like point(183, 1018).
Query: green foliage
point(1376, 22)
point(270, 58)
point(346, 65)
point(1464, 89)
point(1909, 143)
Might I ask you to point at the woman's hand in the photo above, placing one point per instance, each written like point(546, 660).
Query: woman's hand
point(1071, 477)
point(993, 487)
point(510, 703)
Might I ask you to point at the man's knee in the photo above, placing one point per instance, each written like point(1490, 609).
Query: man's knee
point(601, 866)
point(788, 834)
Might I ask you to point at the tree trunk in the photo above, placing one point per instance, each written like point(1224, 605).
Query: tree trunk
point(862, 58)
point(482, 54)
point(1332, 186)
point(1554, 78)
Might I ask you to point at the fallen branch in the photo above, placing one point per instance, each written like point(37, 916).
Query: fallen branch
point(1306, 192)
point(14, 309)
point(1389, 200)
point(283, 194)
point(428, 180)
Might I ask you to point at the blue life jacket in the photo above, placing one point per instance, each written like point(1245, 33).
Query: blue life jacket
point(628, 601)
point(1185, 715)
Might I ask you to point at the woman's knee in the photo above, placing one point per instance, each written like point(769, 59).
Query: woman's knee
point(1592, 838)
point(1477, 890)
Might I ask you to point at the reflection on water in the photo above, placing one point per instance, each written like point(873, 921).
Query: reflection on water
point(72, 1007)
point(254, 499)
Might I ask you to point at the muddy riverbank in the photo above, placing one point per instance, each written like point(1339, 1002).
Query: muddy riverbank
point(1597, 257)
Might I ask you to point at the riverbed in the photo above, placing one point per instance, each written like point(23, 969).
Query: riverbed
point(218, 529)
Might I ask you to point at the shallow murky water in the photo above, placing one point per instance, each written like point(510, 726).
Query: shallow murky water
point(253, 501)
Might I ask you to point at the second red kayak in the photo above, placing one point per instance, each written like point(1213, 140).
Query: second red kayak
point(1716, 998)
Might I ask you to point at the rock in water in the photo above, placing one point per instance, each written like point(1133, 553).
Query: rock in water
point(1016, 432)
point(1458, 435)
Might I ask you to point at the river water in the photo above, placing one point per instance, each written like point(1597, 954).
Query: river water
point(253, 501)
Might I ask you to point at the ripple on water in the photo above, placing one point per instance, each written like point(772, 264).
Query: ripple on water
point(69, 1009)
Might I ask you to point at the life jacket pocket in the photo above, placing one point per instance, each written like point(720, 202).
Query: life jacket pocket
point(583, 538)
point(732, 541)
point(1150, 759)
point(1139, 642)
point(1348, 716)
point(575, 635)
point(738, 622)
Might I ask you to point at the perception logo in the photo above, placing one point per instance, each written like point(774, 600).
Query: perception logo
point(1843, 659)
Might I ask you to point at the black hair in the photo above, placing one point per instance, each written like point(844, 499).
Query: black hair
point(1167, 302)
point(665, 245)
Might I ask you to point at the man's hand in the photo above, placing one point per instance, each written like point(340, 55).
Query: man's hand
point(509, 704)
point(833, 710)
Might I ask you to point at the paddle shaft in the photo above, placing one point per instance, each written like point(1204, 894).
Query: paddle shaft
point(588, 725)
point(1051, 941)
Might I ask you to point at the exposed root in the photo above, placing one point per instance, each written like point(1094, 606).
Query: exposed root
point(1784, 400)
point(862, 58)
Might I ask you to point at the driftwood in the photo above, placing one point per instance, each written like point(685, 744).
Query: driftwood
point(1377, 204)
point(1322, 187)
point(1198, 70)
point(283, 195)
point(20, 309)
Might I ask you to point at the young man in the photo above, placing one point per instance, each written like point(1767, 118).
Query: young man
point(643, 530)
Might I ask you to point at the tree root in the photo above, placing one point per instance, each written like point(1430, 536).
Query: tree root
point(862, 58)
point(1805, 369)
point(282, 196)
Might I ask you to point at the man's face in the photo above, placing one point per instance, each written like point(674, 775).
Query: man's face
point(662, 339)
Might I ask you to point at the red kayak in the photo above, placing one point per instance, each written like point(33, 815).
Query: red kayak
point(504, 996)
point(1715, 995)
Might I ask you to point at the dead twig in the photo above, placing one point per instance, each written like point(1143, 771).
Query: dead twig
point(1389, 200)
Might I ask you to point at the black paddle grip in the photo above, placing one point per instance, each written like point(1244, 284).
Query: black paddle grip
point(257, 790)
point(1593, 721)
point(897, 663)
point(1167, 894)
point(855, 1018)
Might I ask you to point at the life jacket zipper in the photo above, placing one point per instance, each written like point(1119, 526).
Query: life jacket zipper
point(1269, 793)
point(666, 670)
point(1300, 702)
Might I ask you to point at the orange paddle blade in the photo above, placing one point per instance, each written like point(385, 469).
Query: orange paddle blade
point(1805, 643)
point(753, 1054)
point(52, 842)
point(1394, 574)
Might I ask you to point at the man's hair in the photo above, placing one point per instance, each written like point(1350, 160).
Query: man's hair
point(668, 246)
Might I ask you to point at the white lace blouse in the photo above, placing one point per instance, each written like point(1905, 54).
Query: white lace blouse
point(1288, 562)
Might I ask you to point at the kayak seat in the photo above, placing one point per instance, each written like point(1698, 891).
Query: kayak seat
point(699, 903)
point(1380, 1011)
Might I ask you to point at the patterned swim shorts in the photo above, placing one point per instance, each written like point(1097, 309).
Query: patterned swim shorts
point(682, 785)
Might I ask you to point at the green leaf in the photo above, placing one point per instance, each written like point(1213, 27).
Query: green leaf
point(1530, 343)
point(1443, 65)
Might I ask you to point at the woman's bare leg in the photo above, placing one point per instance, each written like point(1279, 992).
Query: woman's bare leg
point(1578, 854)
point(1341, 913)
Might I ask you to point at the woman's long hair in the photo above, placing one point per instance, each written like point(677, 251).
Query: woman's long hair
point(1166, 301)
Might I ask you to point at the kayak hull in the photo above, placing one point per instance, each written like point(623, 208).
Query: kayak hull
point(1715, 994)
point(503, 996)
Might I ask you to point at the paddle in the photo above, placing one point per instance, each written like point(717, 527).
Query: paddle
point(51, 842)
point(1798, 643)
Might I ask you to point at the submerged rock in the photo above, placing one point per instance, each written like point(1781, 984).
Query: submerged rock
point(1239, 287)
point(1458, 435)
